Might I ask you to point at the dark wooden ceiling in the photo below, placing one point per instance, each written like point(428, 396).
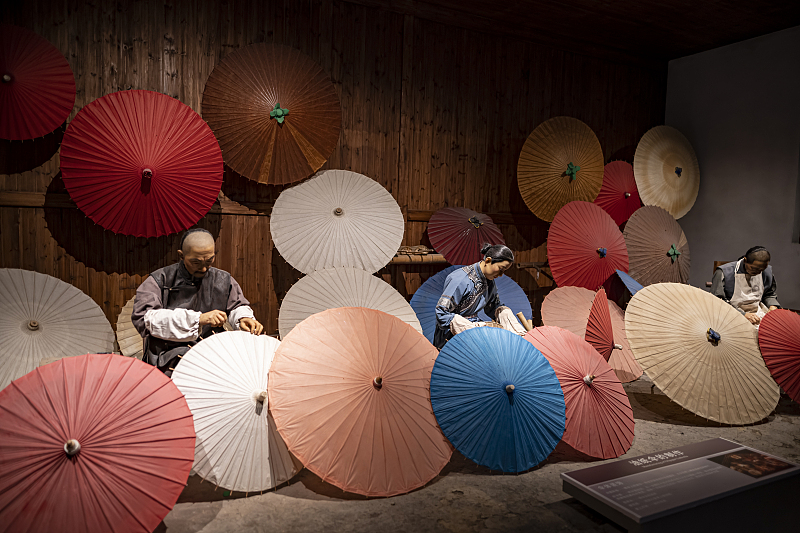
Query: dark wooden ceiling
point(643, 29)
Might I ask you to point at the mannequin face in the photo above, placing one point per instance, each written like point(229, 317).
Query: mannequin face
point(492, 270)
point(197, 260)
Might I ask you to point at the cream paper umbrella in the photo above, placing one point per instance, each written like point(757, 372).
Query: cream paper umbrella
point(341, 287)
point(337, 219)
point(666, 170)
point(658, 250)
point(224, 379)
point(42, 317)
point(701, 352)
point(129, 340)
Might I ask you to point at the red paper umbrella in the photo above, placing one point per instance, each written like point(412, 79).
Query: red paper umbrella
point(458, 233)
point(37, 89)
point(779, 340)
point(599, 415)
point(585, 246)
point(141, 163)
point(92, 443)
point(599, 331)
point(618, 195)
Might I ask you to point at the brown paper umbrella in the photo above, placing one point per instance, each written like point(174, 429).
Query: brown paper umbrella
point(657, 247)
point(274, 111)
point(561, 161)
point(666, 170)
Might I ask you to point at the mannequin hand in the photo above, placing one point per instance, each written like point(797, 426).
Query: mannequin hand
point(752, 317)
point(213, 318)
point(251, 325)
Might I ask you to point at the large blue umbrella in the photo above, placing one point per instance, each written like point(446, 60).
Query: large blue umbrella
point(497, 399)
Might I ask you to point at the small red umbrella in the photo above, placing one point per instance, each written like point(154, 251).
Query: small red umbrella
point(618, 196)
point(92, 443)
point(599, 331)
point(779, 340)
point(585, 246)
point(141, 163)
point(458, 233)
point(37, 90)
point(599, 414)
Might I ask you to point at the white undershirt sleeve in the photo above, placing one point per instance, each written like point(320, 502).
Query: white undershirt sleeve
point(243, 311)
point(176, 325)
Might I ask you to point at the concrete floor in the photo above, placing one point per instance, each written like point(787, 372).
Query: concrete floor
point(466, 497)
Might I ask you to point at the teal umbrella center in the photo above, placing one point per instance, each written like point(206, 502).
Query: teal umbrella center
point(572, 171)
point(673, 253)
point(278, 113)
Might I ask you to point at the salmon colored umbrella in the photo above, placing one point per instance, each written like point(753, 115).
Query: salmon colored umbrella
point(37, 87)
point(585, 246)
point(657, 247)
point(274, 111)
point(141, 163)
point(561, 161)
point(618, 196)
point(458, 234)
point(349, 392)
point(92, 443)
point(779, 339)
point(599, 415)
point(599, 331)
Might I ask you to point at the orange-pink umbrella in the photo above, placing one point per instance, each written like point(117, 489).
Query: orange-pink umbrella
point(599, 330)
point(349, 392)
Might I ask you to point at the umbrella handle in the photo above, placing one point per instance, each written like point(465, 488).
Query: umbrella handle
point(713, 337)
point(72, 447)
point(588, 379)
point(377, 382)
point(617, 346)
point(6, 78)
point(524, 321)
point(147, 174)
point(627, 195)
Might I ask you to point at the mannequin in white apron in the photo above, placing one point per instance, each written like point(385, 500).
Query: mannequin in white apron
point(747, 293)
point(743, 284)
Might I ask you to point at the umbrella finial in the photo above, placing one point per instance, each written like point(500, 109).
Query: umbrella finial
point(673, 253)
point(475, 222)
point(377, 382)
point(602, 252)
point(572, 171)
point(33, 325)
point(678, 171)
point(627, 194)
point(713, 337)
point(72, 447)
point(338, 212)
point(262, 396)
point(278, 113)
point(147, 174)
point(509, 388)
point(6, 78)
point(588, 379)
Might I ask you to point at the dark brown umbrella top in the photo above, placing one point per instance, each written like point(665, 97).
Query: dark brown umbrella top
point(658, 251)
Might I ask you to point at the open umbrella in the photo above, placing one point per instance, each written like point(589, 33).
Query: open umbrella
point(349, 393)
point(666, 170)
point(129, 341)
point(141, 163)
point(224, 379)
point(779, 340)
point(337, 219)
point(701, 352)
point(42, 317)
point(621, 282)
point(497, 399)
point(95, 443)
point(274, 111)
point(458, 234)
point(599, 417)
point(561, 161)
point(618, 196)
point(657, 247)
point(585, 246)
point(37, 90)
point(599, 331)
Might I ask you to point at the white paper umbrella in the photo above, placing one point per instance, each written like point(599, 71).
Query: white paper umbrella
point(224, 379)
point(42, 317)
point(341, 287)
point(129, 340)
point(337, 219)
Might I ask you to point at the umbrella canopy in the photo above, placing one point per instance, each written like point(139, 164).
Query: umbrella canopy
point(224, 379)
point(42, 317)
point(618, 196)
point(599, 331)
point(497, 399)
point(701, 352)
point(337, 219)
point(779, 339)
point(37, 90)
point(94, 443)
point(599, 417)
point(141, 163)
point(666, 170)
point(585, 246)
point(458, 234)
point(274, 111)
point(129, 341)
point(561, 161)
point(349, 393)
point(341, 287)
point(657, 247)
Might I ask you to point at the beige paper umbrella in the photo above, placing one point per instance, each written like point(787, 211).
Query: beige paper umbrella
point(561, 161)
point(337, 219)
point(42, 317)
point(341, 287)
point(666, 170)
point(657, 247)
point(701, 352)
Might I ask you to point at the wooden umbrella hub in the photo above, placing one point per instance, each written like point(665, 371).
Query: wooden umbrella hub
point(72, 447)
point(338, 212)
point(475, 222)
point(377, 382)
point(6, 78)
point(588, 379)
point(278, 113)
point(510, 388)
point(33, 325)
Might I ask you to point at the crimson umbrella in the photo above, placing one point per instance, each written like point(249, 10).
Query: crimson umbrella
point(92, 443)
point(141, 163)
point(458, 233)
point(585, 246)
point(599, 331)
point(37, 91)
point(599, 414)
point(618, 196)
point(779, 340)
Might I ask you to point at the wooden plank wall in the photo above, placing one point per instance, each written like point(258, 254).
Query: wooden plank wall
point(435, 113)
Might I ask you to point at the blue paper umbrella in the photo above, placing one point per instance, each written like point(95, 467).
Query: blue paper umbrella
point(512, 296)
point(632, 285)
point(497, 399)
